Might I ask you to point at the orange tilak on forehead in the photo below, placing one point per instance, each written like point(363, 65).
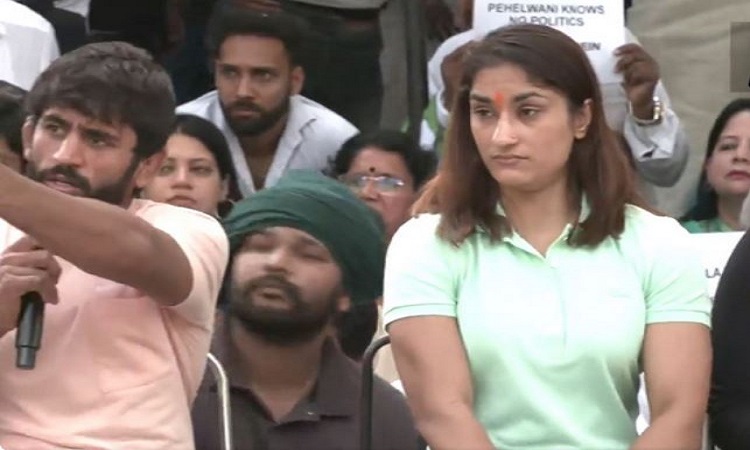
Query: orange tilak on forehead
point(498, 99)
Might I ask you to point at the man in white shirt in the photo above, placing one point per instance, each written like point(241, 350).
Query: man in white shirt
point(27, 44)
point(269, 127)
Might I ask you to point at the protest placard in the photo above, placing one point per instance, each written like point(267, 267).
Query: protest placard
point(715, 250)
point(598, 25)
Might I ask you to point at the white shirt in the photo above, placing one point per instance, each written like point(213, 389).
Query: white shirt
point(660, 151)
point(313, 134)
point(27, 44)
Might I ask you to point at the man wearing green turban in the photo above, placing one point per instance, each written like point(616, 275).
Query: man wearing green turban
point(303, 252)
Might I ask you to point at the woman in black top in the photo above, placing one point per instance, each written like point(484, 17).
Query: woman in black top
point(729, 404)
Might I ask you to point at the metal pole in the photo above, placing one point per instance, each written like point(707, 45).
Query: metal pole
point(365, 427)
point(225, 402)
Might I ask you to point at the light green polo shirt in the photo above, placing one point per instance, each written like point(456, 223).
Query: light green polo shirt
point(553, 342)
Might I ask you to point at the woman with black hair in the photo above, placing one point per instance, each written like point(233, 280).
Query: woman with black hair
point(725, 180)
point(197, 172)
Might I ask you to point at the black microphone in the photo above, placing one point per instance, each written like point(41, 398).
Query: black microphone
point(29, 333)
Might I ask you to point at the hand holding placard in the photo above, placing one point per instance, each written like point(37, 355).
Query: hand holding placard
point(595, 24)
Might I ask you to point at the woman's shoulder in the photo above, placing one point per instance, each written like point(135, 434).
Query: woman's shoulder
point(639, 220)
point(421, 235)
point(650, 234)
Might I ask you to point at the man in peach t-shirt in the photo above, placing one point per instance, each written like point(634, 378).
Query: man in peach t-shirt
point(131, 284)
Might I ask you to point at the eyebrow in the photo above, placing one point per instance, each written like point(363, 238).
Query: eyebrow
point(376, 173)
point(89, 131)
point(54, 118)
point(309, 242)
point(253, 69)
point(97, 133)
point(517, 99)
point(190, 160)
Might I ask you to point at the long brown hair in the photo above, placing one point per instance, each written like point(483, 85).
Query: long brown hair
point(464, 192)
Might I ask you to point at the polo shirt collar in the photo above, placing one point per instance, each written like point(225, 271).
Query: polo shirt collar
point(583, 215)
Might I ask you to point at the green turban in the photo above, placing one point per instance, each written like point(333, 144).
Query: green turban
point(327, 211)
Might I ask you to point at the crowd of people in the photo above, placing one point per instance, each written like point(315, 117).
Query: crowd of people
point(221, 185)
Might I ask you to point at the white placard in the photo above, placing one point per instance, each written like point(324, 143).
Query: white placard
point(598, 25)
point(715, 249)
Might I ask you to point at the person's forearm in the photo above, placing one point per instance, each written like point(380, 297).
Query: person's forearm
point(99, 238)
point(671, 431)
point(457, 428)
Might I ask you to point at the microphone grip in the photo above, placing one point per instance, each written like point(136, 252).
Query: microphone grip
point(29, 333)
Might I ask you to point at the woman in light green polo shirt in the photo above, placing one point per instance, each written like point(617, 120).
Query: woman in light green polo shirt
point(725, 180)
point(533, 289)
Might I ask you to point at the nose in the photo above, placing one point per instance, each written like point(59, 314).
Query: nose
point(70, 151)
point(245, 87)
point(277, 260)
point(743, 151)
point(182, 178)
point(504, 134)
point(369, 191)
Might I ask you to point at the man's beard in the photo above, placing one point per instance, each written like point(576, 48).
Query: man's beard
point(114, 193)
point(250, 127)
point(299, 322)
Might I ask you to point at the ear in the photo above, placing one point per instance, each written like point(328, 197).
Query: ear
point(344, 303)
point(147, 169)
point(27, 137)
point(224, 189)
point(582, 119)
point(297, 79)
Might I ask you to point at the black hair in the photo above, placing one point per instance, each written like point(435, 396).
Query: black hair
point(706, 199)
point(12, 116)
point(211, 137)
point(230, 21)
point(420, 163)
point(114, 82)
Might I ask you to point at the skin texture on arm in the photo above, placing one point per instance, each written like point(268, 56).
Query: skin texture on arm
point(102, 239)
point(431, 360)
point(677, 361)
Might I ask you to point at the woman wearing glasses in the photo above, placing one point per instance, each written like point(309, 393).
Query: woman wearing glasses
point(386, 169)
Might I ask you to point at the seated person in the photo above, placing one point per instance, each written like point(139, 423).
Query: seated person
point(725, 180)
point(270, 129)
point(729, 403)
point(385, 169)
point(11, 121)
point(639, 110)
point(197, 172)
point(134, 282)
point(303, 252)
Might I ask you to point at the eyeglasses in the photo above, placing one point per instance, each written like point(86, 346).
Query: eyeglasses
point(381, 183)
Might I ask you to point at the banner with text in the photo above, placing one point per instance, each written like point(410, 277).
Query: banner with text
point(598, 25)
point(715, 249)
